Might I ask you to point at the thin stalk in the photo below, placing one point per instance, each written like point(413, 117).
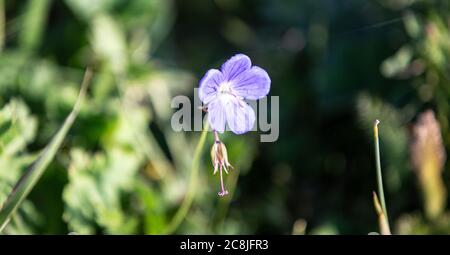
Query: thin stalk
point(378, 166)
point(216, 136)
point(223, 205)
point(193, 184)
point(382, 221)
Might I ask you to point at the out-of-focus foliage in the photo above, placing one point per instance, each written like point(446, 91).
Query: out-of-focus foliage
point(336, 65)
point(428, 157)
point(423, 62)
point(122, 169)
point(17, 130)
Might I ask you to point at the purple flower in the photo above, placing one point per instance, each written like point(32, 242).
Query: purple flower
point(224, 93)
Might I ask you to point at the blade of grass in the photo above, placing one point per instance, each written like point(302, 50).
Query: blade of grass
point(26, 183)
point(382, 221)
point(378, 167)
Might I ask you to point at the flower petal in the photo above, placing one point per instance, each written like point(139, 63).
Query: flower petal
point(240, 117)
point(235, 66)
point(209, 85)
point(252, 84)
point(217, 115)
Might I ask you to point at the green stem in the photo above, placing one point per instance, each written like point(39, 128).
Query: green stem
point(193, 183)
point(378, 165)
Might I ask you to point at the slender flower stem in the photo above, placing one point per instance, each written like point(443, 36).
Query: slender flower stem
point(378, 165)
point(223, 204)
point(193, 184)
point(216, 136)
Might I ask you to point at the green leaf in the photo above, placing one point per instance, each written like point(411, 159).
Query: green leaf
point(18, 128)
point(153, 208)
point(109, 43)
point(96, 187)
point(101, 184)
point(396, 65)
point(33, 24)
point(88, 9)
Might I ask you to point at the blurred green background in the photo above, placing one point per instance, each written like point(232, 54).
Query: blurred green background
point(336, 66)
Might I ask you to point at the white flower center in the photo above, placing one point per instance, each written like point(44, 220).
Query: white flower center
point(225, 88)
